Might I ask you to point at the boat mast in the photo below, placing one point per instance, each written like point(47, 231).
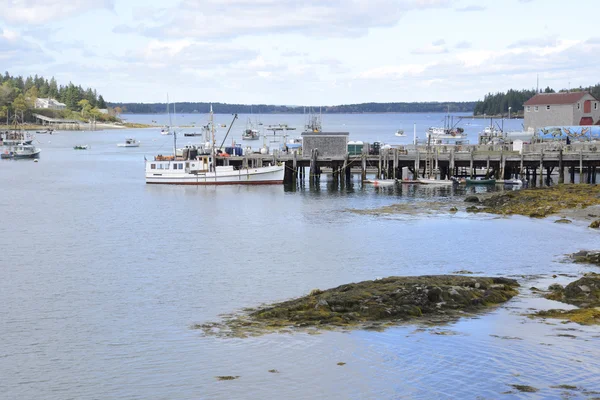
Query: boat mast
point(174, 138)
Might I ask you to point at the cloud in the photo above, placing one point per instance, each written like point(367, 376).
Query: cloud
point(41, 11)
point(232, 18)
point(463, 45)
point(16, 50)
point(534, 42)
point(436, 47)
point(471, 8)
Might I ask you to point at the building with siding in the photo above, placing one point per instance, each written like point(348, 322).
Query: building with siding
point(49, 103)
point(328, 144)
point(561, 109)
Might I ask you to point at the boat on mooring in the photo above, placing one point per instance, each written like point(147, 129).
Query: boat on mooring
point(480, 181)
point(129, 142)
point(21, 150)
point(199, 167)
point(381, 182)
point(81, 147)
point(400, 133)
point(432, 181)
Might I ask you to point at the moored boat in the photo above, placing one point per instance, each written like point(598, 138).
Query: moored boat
point(428, 181)
point(198, 167)
point(21, 150)
point(480, 181)
point(400, 133)
point(81, 147)
point(129, 142)
point(380, 182)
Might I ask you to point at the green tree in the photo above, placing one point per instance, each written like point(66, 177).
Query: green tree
point(101, 102)
point(85, 107)
point(20, 106)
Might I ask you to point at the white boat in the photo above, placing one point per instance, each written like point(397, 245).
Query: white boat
point(250, 133)
point(428, 181)
point(400, 133)
point(16, 137)
point(195, 167)
point(21, 150)
point(166, 130)
point(446, 133)
point(516, 182)
point(381, 182)
point(130, 142)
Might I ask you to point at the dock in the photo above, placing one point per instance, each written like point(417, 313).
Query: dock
point(534, 162)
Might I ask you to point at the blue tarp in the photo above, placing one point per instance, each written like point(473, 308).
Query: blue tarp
point(591, 132)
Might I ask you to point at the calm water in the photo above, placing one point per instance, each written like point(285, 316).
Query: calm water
point(101, 277)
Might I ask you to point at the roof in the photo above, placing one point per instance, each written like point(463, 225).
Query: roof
point(325, 133)
point(555, 98)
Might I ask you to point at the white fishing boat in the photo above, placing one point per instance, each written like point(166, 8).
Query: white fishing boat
point(400, 133)
point(21, 150)
point(449, 131)
point(130, 142)
point(15, 137)
point(199, 167)
point(250, 133)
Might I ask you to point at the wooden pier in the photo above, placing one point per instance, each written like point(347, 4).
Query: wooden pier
point(535, 162)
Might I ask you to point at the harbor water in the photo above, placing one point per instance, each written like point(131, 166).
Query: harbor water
point(102, 278)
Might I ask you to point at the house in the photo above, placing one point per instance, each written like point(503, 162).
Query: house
point(50, 103)
point(561, 109)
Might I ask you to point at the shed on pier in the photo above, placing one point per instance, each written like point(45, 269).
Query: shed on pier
point(328, 144)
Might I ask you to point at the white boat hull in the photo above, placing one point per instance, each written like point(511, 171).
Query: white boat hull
point(128, 145)
point(223, 176)
point(435, 182)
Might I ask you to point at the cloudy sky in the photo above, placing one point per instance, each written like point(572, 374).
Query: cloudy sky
point(307, 52)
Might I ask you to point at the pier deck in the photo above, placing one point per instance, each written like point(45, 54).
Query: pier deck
point(443, 162)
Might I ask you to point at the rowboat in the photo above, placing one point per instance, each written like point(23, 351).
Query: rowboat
point(480, 181)
point(426, 181)
point(381, 182)
point(81, 147)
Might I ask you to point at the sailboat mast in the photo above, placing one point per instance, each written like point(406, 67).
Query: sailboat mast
point(174, 137)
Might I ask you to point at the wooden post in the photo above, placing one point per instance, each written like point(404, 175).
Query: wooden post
point(437, 162)
point(295, 167)
point(471, 165)
point(521, 167)
point(379, 166)
point(417, 165)
point(581, 166)
point(363, 167)
point(572, 173)
point(452, 171)
point(541, 168)
point(395, 175)
point(561, 169)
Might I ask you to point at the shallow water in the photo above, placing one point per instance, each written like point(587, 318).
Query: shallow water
point(101, 278)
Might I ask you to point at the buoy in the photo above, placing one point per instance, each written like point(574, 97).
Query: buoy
point(36, 160)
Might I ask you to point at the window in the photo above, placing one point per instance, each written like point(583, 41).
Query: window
point(175, 166)
point(595, 106)
point(152, 166)
point(535, 108)
point(578, 106)
point(180, 165)
point(528, 108)
point(547, 107)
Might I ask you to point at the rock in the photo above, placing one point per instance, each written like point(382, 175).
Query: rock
point(556, 287)
point(584, 292)
point(563, 221)
point(453, 209)
point(472, 199)
point(474, 209)
point(595, 224)
point(586, 257)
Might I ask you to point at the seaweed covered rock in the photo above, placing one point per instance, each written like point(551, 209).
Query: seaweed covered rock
point(584, 292)
point(595, 224)
point(388, 300)
point(541, 202)
point(586, 257)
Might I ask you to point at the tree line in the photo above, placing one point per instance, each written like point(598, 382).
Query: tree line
point(18, 98)
point(224, 108)
point(498, 103)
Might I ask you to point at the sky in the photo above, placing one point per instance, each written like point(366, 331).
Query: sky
point(302, 52)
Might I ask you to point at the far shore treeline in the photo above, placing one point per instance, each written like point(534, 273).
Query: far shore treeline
point(18, 98)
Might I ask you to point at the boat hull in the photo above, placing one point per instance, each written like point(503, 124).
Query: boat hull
point(435, 182)
point(481, 182)
point(251, 176)
point(128, 145)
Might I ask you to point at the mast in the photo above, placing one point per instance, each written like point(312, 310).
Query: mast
point(174, 137)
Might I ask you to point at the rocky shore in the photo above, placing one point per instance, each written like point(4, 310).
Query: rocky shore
point(372, 304)
point(538, 202)
point(583, 293)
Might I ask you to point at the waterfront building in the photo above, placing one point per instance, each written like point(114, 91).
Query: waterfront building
point(561, 109)
point(49, 103)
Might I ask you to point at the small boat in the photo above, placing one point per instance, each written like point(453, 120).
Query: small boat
point(400, 133)
point(516, 182)
point(166, 131)
point(250, 134)
point(428, 181)
point(480, 181)
point(381, 182)
point(130, 142)
point(192, 134)
point(81, 147)
point(21, 150)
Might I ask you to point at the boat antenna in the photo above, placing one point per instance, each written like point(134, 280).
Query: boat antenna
point(212, 130)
